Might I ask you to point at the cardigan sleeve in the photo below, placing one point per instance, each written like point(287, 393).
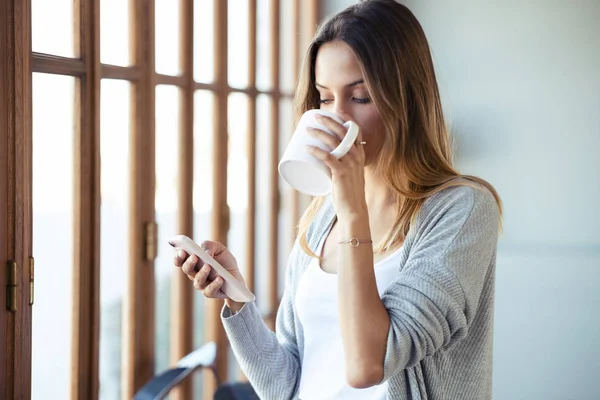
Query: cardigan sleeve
point(270, 361)
point(433, 299)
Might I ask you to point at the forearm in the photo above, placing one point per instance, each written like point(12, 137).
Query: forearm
point(271, 367)
point(364, 321)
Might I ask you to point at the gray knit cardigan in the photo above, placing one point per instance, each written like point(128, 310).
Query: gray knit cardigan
point(440, 306)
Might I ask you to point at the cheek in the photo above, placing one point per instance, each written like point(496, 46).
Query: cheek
point(372, 132)
point(372, 127)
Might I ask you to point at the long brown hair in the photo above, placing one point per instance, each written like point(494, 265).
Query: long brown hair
point(416, 158)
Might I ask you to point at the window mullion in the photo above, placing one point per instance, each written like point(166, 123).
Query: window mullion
point(182, 293)
point(139, 327)
point(86, 277)
point(220, 210)
point(249, 272)
point(274, 195)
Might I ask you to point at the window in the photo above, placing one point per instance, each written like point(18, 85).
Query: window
point(148, 119)
point(114, 229)
point(53, 238)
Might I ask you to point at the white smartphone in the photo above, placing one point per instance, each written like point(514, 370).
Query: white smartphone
point(232, 287)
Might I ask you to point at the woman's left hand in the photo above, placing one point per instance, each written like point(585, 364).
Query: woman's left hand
point(347, 173)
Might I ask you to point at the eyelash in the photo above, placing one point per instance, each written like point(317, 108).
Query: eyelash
point(366, 100)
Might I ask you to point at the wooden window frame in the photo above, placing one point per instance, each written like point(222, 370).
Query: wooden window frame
point(17, 63)
point(86, 246)
point(15, 198)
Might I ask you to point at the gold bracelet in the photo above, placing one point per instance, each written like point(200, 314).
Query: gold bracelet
point(355, 242)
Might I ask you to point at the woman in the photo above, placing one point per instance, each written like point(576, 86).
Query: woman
point(389, 288)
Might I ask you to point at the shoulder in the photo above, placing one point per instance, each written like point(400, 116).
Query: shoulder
point(463, 199)
point(466, 206)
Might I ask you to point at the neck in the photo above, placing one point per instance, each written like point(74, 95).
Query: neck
point(381, 205)
point(377, 193)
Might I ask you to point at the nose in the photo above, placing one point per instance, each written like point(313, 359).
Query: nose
point(341, 112)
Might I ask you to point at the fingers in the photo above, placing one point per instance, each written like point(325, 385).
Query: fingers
point(189, 266)
point(213, 288)
point(354, 157)
point(347, 117)
point(180, 257)
point(204, 277)
point(339, 131)
point(329, 140)
point(208, 283)
point(335, 127)
point(201, 278)
point(326, 157)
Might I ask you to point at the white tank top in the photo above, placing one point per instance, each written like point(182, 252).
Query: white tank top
point(323, 366)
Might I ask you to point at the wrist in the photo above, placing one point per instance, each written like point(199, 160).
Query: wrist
point(354, 226)
point(234, 306)
point(353, 217)
point(355, 242)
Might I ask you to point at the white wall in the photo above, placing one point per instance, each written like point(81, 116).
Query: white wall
point(521, 85)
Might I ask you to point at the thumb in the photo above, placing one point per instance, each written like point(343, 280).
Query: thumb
point(211, 247)
point(220, 253)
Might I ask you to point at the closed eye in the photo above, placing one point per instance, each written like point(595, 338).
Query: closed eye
point(365, 100)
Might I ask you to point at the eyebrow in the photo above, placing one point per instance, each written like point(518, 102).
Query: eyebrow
point(358, 82)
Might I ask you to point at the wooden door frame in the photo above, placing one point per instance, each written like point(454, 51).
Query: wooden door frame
point(15, 194)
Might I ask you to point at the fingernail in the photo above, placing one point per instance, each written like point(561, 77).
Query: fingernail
point(206, 249)
point(180, 254)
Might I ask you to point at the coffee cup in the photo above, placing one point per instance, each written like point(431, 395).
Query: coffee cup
point(303, 171)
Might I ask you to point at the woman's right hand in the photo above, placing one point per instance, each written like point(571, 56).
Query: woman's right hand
point(204, 276)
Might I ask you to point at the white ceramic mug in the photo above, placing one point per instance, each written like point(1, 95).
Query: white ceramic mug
point(301, 170)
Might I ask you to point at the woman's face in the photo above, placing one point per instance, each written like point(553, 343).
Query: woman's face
point(342, 90)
